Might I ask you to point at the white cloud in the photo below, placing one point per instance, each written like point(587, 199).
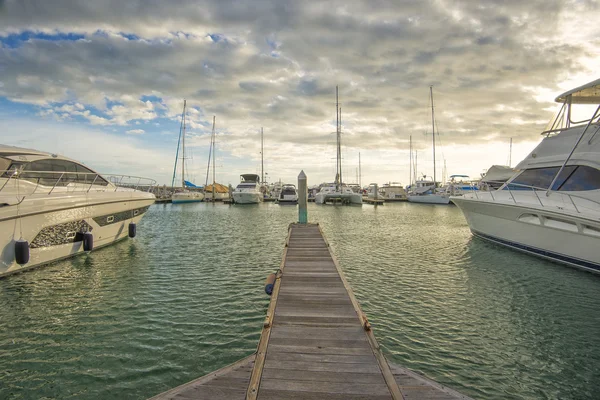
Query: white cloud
point(136, 132)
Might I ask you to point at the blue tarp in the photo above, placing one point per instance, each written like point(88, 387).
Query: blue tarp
point(191, 185)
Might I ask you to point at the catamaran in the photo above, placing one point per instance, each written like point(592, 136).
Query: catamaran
point(337, 191)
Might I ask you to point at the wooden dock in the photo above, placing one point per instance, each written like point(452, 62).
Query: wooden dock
point(375, 202)
point(316, 343)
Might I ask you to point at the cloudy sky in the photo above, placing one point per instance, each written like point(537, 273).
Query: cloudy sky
point(103, 81)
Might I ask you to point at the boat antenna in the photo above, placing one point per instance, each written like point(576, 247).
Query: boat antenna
point(510, 153)
point(433, 135)
point(262, 162)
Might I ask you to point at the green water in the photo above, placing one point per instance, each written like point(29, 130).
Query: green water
point(186, 297)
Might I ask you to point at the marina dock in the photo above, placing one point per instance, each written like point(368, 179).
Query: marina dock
point(316, 343)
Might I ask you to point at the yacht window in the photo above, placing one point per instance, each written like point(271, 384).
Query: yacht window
point(540, 178)
point(4, 164)
point(60, 172)
point(583, 178)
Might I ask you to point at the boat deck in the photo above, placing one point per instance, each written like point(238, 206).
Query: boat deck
point(316, 343)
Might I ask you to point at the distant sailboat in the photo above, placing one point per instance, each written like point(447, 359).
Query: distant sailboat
point(213, 191)
point(186, 195)
point(425, 190)
point(338, 192)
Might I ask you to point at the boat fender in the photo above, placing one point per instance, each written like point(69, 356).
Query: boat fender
point(270, 283)
point(22, 252)
point(132, 229)
point(88, 241)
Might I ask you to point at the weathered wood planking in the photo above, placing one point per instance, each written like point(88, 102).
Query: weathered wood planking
point(314, 344)
point(226, 383)
point(317, 346)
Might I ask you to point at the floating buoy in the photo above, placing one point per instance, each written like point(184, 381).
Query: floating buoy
point(132, 229)
point(22, 251)
point(269, 283)
point(88, 241)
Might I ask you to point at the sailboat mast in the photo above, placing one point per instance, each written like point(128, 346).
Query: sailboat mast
point(183, 150)
point(433, 135)
point(510, 154)
point(340, 147)
point(337, 138)
point(359, 172)
point(213, 145)
point(262, 162)
point(410, 161)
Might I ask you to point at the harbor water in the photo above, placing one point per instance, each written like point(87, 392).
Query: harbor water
point(185, 297)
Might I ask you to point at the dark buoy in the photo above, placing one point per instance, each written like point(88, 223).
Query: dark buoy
point(269, 283)
point(132, 229)
point(88, 241)
point(22, 251)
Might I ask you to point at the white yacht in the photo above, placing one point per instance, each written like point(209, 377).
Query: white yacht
point(551, 205)
point(393, 190)
point(288, 195)
point(185, 195)
point(426, 191)
point(52, 207)
point(338, 192)
point(248, 191)
point(332, 193)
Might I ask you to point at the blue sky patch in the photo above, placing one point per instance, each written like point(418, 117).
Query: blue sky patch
point(16, 40)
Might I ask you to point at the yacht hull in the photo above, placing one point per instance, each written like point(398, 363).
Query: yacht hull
point(54, 232)
point(567, 239)
point(187, 197)
point(346, 198)
point(247, 198)
point(429, 199)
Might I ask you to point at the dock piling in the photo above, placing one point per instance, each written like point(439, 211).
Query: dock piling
point(302, 198)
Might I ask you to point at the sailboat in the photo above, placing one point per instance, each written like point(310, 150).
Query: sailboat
point(214, 191)
point(338, 192)
point(425, 189)
point(185, 195)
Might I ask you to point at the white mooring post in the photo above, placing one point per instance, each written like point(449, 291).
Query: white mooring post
point(302, 198)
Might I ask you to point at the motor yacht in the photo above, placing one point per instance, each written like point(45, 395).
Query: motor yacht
point(288, 195)
point(550, 207)
point(52, 207)
point(393, 190)
point(248, 191)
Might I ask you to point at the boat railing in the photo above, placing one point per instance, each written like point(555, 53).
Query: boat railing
point(26, 182)
point(543, 196)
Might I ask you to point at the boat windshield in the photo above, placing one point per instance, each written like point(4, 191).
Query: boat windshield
point(51, 172)
point(246, 186)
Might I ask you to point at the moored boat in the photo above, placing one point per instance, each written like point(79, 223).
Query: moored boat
point(56, 207)
point(248, 191)
point(551, 205)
